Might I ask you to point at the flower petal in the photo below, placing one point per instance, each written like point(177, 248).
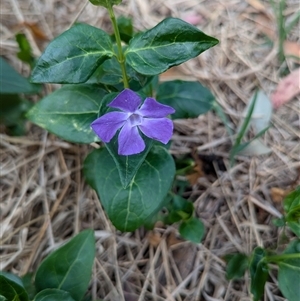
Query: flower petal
point(152, 108)
point(127, 101)
point(130, 141)
point(107, 125)
point(160, 129)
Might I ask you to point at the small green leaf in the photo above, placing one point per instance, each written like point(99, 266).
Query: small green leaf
point(53, 295)
point(11, 82)
point(291, 205)
point(169, 43)
point(105, 3)
point(11, 287)
point(189, 99)
point(192, 230)
point(259, 273)
point(69, 111)
point(129, 208)
point(125, 29)
point(25, 53)
point(289, 272)
point(70, 267)
point(236, 266)
point(110, 74)
point(73, 56)
point(179, 209)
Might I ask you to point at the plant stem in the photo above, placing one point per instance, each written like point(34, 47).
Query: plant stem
point(120, 56)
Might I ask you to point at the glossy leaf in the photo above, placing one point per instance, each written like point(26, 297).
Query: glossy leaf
point(189, 99)
point(14, 83)
point(11, 287)
point(169, 43)
point(292, 209)
point(192, 230)
point(289, 272)
point(105, 3)
point(73, 56)
point(128, 165)
point(53, 295)
point(236, 266)
point(110, 74)
point(259, 273)
point(129, 208)
point(69, 268)
point(69, 111)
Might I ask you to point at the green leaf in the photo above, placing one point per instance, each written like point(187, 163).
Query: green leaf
point(70, 267)
point(12, 113)
point(179, 209)
point(53, 295)
point(128, 165)
point(69, 111)
point(28, 282)
point(25, 53)
point(169, 43)
point(125, 29)
point(110, 74)
point(73, 56)
point(105, 3)
point(129, 208)
point(289, 272)
point(291, 206)
point(189, 99)
point(192, 230)
point(11, 287)
point(11, 82)
point(259, 273)
point(236, 266)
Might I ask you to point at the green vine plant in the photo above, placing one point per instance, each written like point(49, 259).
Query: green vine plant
point(261, 260)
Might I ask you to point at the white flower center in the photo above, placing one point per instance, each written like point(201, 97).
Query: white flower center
point(135, 119)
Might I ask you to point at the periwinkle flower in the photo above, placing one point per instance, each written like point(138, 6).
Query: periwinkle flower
point(133, 118)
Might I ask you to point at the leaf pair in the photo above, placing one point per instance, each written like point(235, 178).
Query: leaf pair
point(74, 55)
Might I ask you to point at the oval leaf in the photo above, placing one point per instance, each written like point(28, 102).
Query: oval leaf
point(53, 295)
point(129, 208)
point(189, 99)
point(236, 266)
point(12, 82)
point(70, 267)
point(128, 165)
point(69, 112)
point(192, 230)
point(73, 56)
point(11, 288)
point(289, 273)
point(169, 43)
point(259, 273)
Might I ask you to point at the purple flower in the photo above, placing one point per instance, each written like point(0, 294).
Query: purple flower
point(149, 118)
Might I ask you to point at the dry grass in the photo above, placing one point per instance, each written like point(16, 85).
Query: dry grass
point(44, 200)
